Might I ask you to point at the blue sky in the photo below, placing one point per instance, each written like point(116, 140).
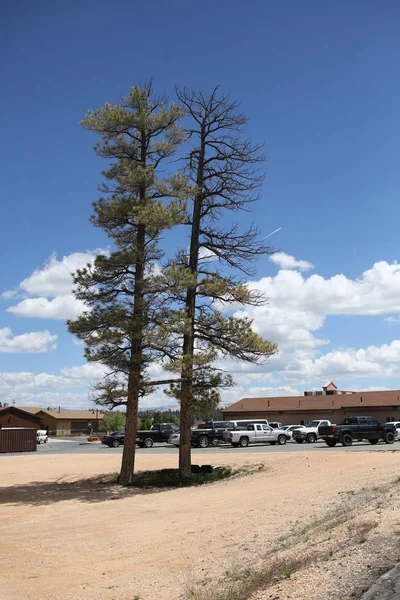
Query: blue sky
point(320, 85)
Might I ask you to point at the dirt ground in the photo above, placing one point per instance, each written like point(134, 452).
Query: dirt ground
point(62, 537)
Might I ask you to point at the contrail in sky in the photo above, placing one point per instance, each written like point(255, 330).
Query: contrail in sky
point(272, 233)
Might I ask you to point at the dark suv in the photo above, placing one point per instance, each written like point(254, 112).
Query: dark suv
point(114, 439)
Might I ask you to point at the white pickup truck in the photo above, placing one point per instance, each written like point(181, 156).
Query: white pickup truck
point(309, 433)
point(257, 433)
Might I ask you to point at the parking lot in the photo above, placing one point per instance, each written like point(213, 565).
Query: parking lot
point(79, 445)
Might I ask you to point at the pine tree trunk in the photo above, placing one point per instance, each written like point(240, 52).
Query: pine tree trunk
point(185, 447)
point(128, 456)
point(135, 371)
point(185, 461)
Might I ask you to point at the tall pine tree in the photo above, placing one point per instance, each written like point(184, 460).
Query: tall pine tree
point(120, 328)
point(226, 172)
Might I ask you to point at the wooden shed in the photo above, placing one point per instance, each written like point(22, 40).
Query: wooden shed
point(17, 439)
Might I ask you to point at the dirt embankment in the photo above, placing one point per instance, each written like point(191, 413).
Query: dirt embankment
point(311, 525)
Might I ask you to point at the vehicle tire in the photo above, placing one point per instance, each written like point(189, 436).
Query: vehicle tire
point(311, 438)
point(235, 445)
point(272, 443)
point(244, 442)
point(347, 439)
point(331, 443)
point(148, 443)
point(204, 442)
point(299, 441)
point(389, 437)
point(116, 443)
point(282, 440)
point(373, 442)
point(214, 442)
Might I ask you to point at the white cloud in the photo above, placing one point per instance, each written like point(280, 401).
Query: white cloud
point(369, 388)
point(297, 309)
point(298, 306)
point(66, 400)
point(36, 341)
point(393, 320)
point(376, 292)
point(270, 392)
point(55, 278)
point(84, 374)
point(287, 261)
point(70, 388)
point(207, 255)
point(8, 294)
point(379, 362)
point(60, 308)
point(51, 287)
point(71, 377)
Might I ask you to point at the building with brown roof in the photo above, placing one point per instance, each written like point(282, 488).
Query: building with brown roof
point(10, 416)
point(329, 403)
point(67, 422)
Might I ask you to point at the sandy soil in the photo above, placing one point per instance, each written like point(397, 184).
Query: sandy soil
point(65, 538)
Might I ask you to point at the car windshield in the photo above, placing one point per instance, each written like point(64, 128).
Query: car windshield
point(312, 424)
point(284, 427)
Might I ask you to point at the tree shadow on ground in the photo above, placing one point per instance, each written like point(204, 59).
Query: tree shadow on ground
point(92, 490)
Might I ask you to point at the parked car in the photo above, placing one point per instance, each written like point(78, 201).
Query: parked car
point(275, 424)
point(310, 433)
point(174, 439)
point(115, 439)
point(397, 425)
point(240, 424)
point(289, 430)
point(257, 433)
point(164, 426)
point(146, 439)
point(358, 428)
point(210, 434)
point(41, 436)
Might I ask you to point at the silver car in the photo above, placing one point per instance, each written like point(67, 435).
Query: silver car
point(289, 430)
point(397, 425)
point(174, 439)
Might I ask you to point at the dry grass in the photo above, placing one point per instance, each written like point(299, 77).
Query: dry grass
point(243, 583)
point(359, 530)
point(310, 544)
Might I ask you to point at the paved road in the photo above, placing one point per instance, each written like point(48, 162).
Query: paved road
point(78, 446)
